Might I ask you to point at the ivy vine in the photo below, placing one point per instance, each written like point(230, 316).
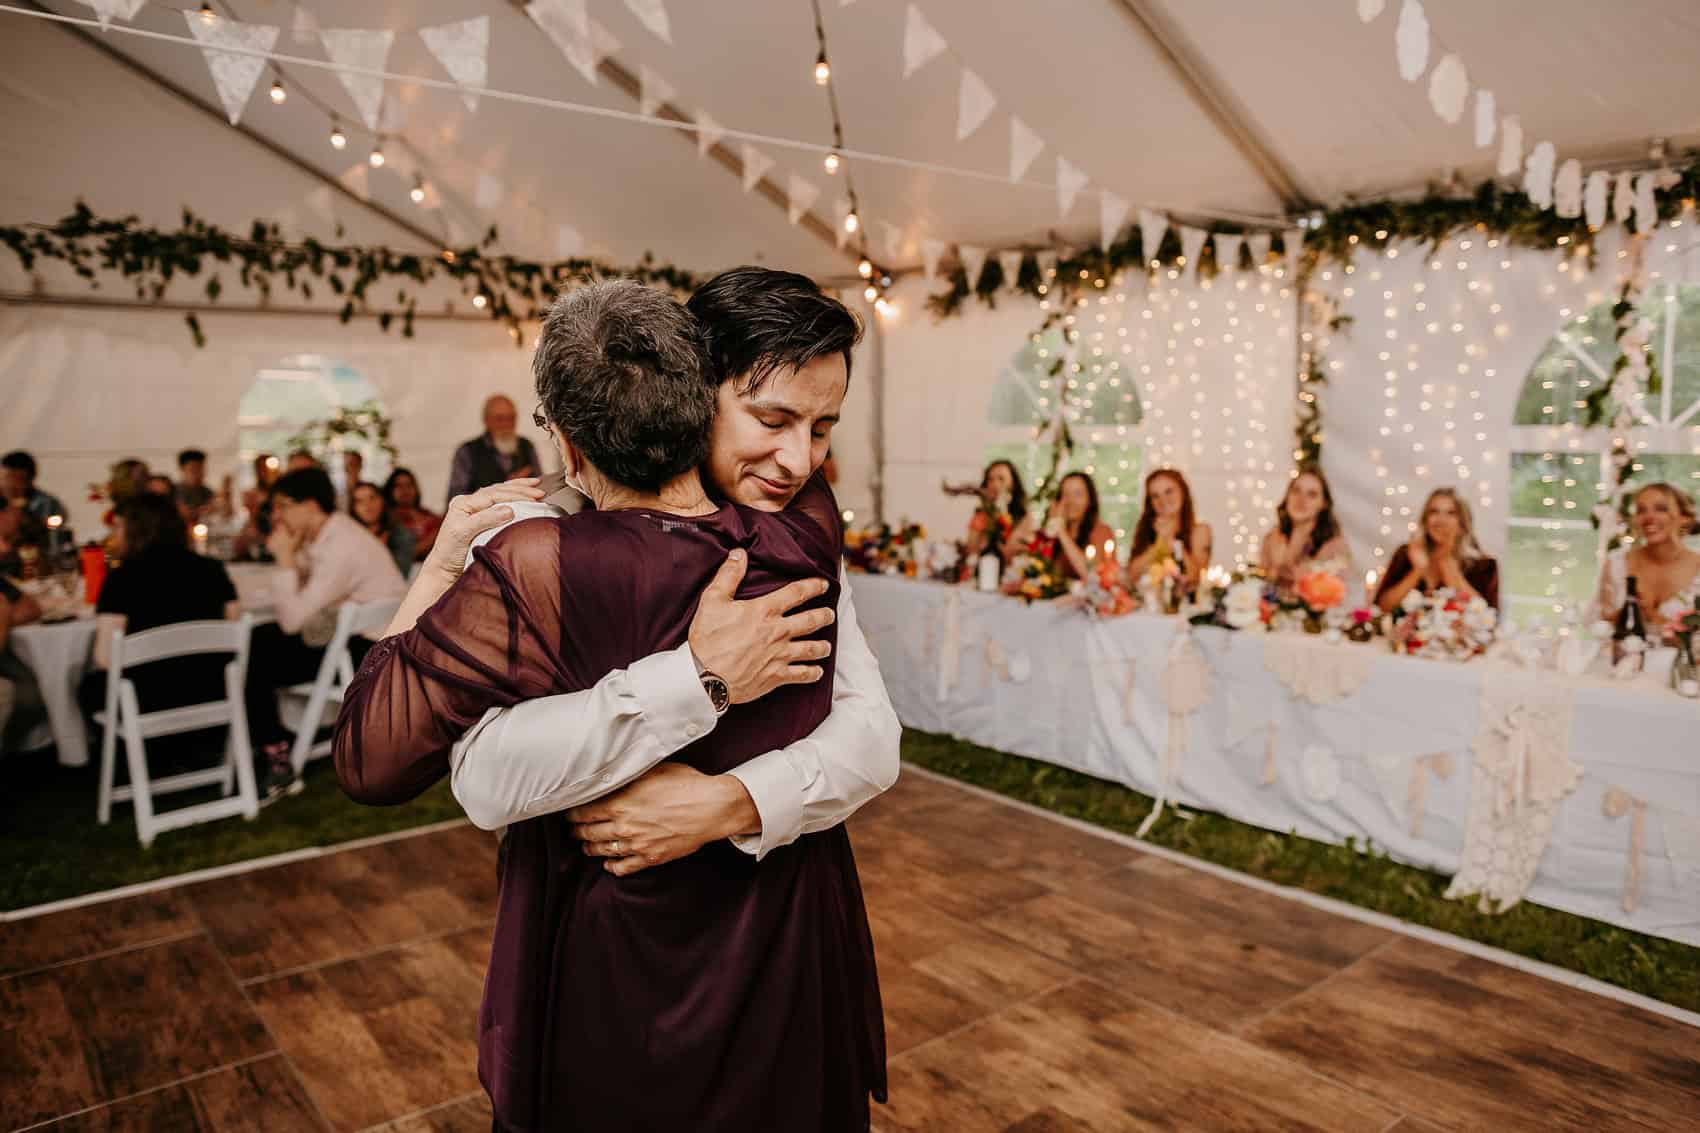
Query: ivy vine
point(366, 421)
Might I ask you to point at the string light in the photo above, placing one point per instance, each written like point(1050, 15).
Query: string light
point(871, 293)
point(376, 157)
point(831, 164)
point(338, 138)
point(279, 95)
point(823, 69)
point(852, 222)
point(865, 269)
point(207, 15)
point(418, 190)
point(480, 300)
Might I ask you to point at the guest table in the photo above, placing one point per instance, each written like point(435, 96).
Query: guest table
point(1466, 768)
point(59, 654)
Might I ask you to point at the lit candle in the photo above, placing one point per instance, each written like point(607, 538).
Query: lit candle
point(54, 523)
point(848, 516)
point(1091, 551)
point(200, 533)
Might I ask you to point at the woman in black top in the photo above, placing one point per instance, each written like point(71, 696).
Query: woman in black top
point(159, 581)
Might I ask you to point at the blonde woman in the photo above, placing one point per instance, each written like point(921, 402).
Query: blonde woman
point(1666, 573)
point(1442, 555)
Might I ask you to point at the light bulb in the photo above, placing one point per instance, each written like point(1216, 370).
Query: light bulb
point(338, 138)
point(870, 293)
point(823, 70)
point(480, 300)
point(418, 191)
point(279, 95)
point(866, 268)
point(851, 221)
point(207, 14)
point(376, 158)
point(831, 163)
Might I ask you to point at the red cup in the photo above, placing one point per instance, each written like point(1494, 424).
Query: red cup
point(94, 572)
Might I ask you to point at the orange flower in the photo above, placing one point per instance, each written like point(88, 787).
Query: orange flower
point(1320, 590)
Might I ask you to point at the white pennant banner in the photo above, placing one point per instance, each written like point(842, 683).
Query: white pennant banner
point(1227, 250)
point(569, 242)
point(1370, 9)
point(653, 91)
point(1567, 190)
point(652, 14)
point(366, 49)
point(1192, 243)
point(1646, 208)
point(1510, 146)
point(1047, 261)
point(931, 252)
point(1010, 262)
point(1152, 226)
point(1537, 175)
point(1024, 147)
point(1449, 89)
point(891, 239)
point(234, 75)
point(1487, 119)
point(973, 262)
point(306, 26)
point(1623, 198)
point(602, 42)
point(463, 48)
point(567, 25)
point(1259, 243)
point(921, 42)
point(974, 104)
point(1112, 215)
point(1070, 181)
point(124, 10)
point(1596, 199)
point(800, 197)
point(709, 133)
point(1410, 42)
point(1294, 241)
point(756, 165)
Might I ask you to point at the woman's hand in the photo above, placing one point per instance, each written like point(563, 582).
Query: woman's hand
point(471, 515)
point(1167, 528)
point(1418, 553)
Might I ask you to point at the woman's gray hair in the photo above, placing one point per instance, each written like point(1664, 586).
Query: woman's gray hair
point(622, 372)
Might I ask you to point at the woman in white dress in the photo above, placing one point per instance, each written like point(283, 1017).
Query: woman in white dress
point(1666, 572)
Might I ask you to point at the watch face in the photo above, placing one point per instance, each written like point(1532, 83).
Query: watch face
point(718, 694)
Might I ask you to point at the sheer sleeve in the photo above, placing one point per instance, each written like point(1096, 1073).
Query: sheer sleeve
point(491, 641)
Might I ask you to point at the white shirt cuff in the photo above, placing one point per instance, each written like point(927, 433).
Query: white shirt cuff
point(671, 697)
point(776, 787)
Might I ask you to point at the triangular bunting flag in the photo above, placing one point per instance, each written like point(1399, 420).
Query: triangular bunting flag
point(931, 252)
point(1112, 214)
point(1227, 251)
point(1623, 198)
point(1152, 225)
point(569, 242)
point(1024, 147)
point(891, 239)
point(709, 133)
point(602, 42)
point(1047, 261)
point(974, 104)
point(366, 49)
point(801, 196)
point(1487, 119)
point(1010, 262)
point(973, 262)
point(921, 42)
point(306, 26)
point(1410, 42)
point(124, 10)
point(1070, 181)
point(1192, 243)
point(653, 90)
point(652, 14)
point(1294, 241)
point(234, 75)
point(463, 48)
point(490, 191)
point(1370, 9)
point(756, 165)
point(567, 25)
point(1510, 146)
point(1449, 89)
point(1537, 175)
point(1646, 208)
point(1596, 199)
point(1259, 242)
point(1567, 190)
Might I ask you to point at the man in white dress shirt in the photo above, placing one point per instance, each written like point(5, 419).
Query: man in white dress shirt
point(784, 351)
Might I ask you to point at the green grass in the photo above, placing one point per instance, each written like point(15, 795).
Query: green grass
point(53, 848)
point(1356, 873)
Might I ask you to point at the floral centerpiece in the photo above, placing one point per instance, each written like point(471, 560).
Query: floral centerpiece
point(1443, 625)
point(1684, 629)
point(885, 549)
point(1231, 600)
point(1105, 595)
point(992, 517)
point(1036, 573)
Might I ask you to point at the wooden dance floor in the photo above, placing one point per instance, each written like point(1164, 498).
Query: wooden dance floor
point(1036, 978)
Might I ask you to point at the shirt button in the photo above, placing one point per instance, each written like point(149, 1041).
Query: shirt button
point(693, 729)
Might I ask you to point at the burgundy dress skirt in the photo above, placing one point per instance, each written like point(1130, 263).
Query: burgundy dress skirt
point(711, 993)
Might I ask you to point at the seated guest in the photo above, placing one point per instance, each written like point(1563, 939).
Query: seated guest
point(159, 581)
point(193, 495)
point(21, 706)
point(22, 538)
point(18, 483)
point(1666, 573)
point(1442, 555)
point(257, 506)
point(160, 485)
point(371, 512)
point(324, 558)
point(1073, 522)
point(353, 472)
point(300, 459)
point(1168, 529)
point(401, 492)
point(1002, 491)
point(1305, 535)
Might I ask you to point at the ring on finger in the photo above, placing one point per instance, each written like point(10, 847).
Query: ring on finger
point(614, 847)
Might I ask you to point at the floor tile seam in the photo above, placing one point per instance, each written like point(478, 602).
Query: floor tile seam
point(430, 1109)
point(986, 1018)
point(132, 1096)
point(1304, 992)
point(1549, 972)
point(367, 954)
point(105, 954)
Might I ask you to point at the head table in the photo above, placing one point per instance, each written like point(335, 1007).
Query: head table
point(59, 653)
point(1481, 769)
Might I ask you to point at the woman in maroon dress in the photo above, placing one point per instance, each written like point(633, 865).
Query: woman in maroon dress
point(710, 993)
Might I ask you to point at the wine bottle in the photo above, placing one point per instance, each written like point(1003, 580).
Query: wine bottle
point(1629, 634)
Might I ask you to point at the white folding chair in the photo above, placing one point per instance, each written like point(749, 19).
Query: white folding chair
point(124, 718)
point(302, 707)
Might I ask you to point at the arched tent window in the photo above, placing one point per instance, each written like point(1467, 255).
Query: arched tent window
point(1106, 408)
point(300, 389)
point(1559, 468)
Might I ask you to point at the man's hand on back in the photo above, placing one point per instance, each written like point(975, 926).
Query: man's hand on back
point(671, 811)
point(752, 645)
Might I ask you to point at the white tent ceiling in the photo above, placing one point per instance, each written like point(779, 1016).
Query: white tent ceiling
point(1197, 106)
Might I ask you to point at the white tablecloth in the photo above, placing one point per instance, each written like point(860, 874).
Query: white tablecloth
point(1055, 685)
point(59, 655)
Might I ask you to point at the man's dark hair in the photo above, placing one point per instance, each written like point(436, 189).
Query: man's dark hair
point(189, 455)
point(622, 373)
point(307, 484)
point(758, 320)
point(151, 521)
point(20, 461)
